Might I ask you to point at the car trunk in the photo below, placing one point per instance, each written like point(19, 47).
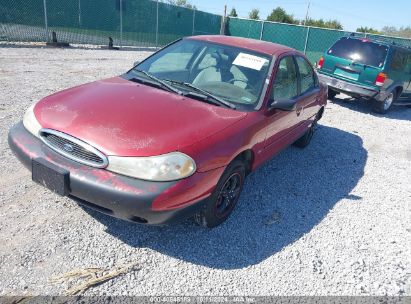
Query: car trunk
point(355, 60)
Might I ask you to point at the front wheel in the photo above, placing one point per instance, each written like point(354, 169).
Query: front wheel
point(383, 106)
point(224, 197)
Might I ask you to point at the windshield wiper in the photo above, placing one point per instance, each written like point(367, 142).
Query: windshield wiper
point(159, 81)
point(208, 95)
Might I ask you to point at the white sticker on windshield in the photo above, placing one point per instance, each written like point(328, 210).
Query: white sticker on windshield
point(250, 61)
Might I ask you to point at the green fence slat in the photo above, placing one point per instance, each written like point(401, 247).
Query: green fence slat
point(80, 21)
point(175, 22)
point(243, 28)
point(206, 23)
point(22, 20)
point(139, 23)
point(289, 35)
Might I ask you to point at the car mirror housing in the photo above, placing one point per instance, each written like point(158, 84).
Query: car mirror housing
point(283, 104)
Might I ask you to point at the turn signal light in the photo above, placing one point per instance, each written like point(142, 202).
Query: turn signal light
point(381, 77)
point(321, 63)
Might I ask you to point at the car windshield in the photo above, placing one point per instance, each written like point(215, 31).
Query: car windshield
point(227, 73)
point(360, 51)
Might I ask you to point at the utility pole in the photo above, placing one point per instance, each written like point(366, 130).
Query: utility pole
point(45, 20)
point(222, 29)
point(306, 14)
point(79, 13)
point(121, 23)
point(157, 25)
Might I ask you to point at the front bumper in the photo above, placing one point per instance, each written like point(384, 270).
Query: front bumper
point(350, 89)
point(120, 196)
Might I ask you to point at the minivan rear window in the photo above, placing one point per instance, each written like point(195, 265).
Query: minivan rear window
point(360, 50)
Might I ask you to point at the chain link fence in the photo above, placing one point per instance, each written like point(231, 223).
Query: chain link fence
point(128, 22)
point(312, 41)
point(149, 23)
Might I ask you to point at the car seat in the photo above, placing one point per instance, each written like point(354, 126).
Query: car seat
point(219, 72)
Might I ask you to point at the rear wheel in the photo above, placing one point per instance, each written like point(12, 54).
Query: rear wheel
point(224, 197)
point(331, 94)
point(305, 140)
point(383, 106)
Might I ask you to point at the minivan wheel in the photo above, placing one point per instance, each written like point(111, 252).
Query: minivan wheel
point(331, 94)
point(383, 106)
point(305, 140)
point(224, 198)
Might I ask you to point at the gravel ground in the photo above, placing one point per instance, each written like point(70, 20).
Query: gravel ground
point(332, 219)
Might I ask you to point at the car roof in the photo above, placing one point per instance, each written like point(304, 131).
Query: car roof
point(382, 42)
point(260, 46)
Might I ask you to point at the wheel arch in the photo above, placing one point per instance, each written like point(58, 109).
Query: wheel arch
point(398, 90)
point(320, 113)
point(246, 156)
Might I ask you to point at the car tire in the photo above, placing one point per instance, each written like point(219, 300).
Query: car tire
point(224, 198)
point(305, 140)
point(384, 106)
point(331, 94)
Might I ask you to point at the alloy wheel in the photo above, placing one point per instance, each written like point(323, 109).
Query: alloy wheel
point(228, 196)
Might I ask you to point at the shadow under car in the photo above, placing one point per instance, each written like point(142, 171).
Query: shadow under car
point(281, 201)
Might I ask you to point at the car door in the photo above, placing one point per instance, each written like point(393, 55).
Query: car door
point(280, 124)
point(398, 73)
point(309, 90)
point(407, 87)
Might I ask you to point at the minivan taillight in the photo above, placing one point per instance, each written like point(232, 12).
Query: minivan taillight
point(320, 63)
point(381, 77)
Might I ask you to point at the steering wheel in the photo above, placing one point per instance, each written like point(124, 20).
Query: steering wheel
point(244, 81)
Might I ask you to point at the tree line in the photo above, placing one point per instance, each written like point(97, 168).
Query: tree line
point(280, 15)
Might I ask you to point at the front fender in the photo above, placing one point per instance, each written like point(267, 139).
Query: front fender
point(221, 148)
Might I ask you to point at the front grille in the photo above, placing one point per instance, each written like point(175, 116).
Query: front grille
point(73, 148)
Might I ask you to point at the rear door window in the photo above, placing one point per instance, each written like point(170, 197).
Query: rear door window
point(399, 61)
point(360, 51)
point(307, 77)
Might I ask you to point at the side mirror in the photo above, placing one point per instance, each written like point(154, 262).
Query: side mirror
point(283, 104)
point(136, 62)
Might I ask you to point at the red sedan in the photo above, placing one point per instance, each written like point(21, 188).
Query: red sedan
point(177, 134)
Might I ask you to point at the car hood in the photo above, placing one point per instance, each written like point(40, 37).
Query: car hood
point(120, 117)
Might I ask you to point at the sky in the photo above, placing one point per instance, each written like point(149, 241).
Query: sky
point(351, 13)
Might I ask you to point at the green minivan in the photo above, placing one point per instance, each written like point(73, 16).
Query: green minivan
point(364, 68)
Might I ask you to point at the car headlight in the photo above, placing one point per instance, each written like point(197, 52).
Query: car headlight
point(167, 167)
point(30, 121)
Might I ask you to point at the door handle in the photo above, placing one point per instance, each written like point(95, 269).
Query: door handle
point(299, 110)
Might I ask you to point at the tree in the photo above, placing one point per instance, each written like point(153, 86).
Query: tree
point(404, 32)
point(370, 30)
point(254, 14)
point(183, 3)
point(280, 15)
point(332, 24)
point(233, 13)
